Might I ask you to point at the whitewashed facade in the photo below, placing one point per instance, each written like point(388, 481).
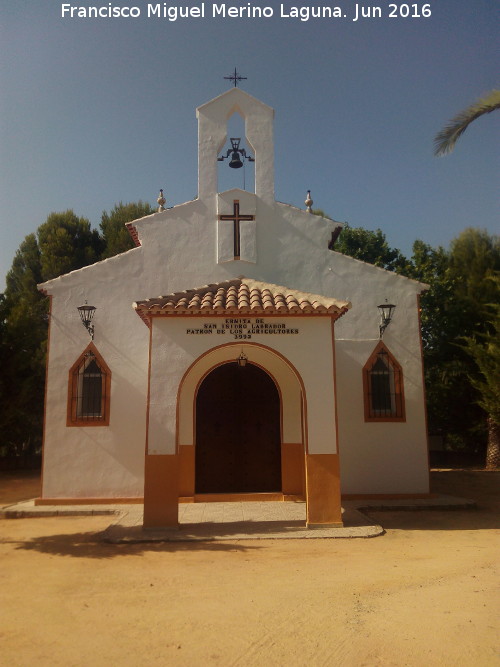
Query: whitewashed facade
point(156, 364)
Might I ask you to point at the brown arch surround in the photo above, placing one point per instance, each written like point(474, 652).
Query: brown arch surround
point(231, 351)
point(293, 447)
point(238, 439)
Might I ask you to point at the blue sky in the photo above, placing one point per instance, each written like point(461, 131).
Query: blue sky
point(98, 111)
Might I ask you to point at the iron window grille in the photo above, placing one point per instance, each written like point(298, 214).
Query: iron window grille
point(383, 385)
point(89, 385)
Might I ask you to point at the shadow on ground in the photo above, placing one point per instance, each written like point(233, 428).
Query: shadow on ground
point(481, 486)
point(89, 545)
point(450, 519)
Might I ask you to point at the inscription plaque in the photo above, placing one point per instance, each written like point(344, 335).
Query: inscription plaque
point(243, 328)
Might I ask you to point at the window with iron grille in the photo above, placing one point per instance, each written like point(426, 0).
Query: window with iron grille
point(89, 386)
point(383, 387)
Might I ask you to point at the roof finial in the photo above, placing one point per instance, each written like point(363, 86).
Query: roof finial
point(161, 202)
point(235, 77)
point(309, 202)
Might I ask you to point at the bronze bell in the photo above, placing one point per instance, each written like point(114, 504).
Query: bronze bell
point(235, 163)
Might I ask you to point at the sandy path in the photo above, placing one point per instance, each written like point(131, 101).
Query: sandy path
point(426, 593)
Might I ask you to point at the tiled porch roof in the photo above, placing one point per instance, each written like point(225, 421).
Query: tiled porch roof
point(241, 296)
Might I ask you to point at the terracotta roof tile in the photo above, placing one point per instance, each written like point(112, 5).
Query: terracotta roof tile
point(240, 296)
point(133, 233)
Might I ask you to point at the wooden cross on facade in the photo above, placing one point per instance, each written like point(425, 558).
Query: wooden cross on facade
point(236, 218)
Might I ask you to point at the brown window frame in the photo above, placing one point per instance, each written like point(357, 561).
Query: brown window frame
point(75, 390)
point(395, 396)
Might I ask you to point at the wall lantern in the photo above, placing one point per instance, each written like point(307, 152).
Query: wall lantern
point(87, 315)
point(386, 311)
point(242, 360)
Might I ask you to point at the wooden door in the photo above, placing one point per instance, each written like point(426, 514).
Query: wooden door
point(238, 440)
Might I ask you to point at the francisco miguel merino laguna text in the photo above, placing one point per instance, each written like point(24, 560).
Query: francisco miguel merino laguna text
point(163, 10)
point(215, 10)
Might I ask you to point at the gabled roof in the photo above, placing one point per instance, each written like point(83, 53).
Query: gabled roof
point(241, 296)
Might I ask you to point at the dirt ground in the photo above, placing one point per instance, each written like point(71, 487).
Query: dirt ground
point(424, 594)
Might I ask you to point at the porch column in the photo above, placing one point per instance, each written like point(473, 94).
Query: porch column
point(161, 501)
point(324, 508)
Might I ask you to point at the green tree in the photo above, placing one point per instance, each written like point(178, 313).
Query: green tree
point(431, 266)
point(371, 247)
point(460, 287)
point(474, 261)
point(23, 331)
point(114, 233)
point(66, 243)
point(485, 351)
point(445, 140)
point(451, 413)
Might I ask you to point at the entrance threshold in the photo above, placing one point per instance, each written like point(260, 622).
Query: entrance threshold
point(240, 498)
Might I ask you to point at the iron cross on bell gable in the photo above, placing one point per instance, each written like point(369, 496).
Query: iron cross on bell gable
point(235, 78)
point(236, 217)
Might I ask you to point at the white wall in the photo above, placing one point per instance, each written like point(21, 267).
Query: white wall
point(100, 460)
point(380, 457)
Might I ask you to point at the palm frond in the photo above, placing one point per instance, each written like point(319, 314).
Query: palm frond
point(444, 141)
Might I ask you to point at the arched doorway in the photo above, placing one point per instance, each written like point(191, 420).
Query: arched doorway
point(238, 439)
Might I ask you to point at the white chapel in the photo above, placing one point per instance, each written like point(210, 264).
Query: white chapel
point(232, 355)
